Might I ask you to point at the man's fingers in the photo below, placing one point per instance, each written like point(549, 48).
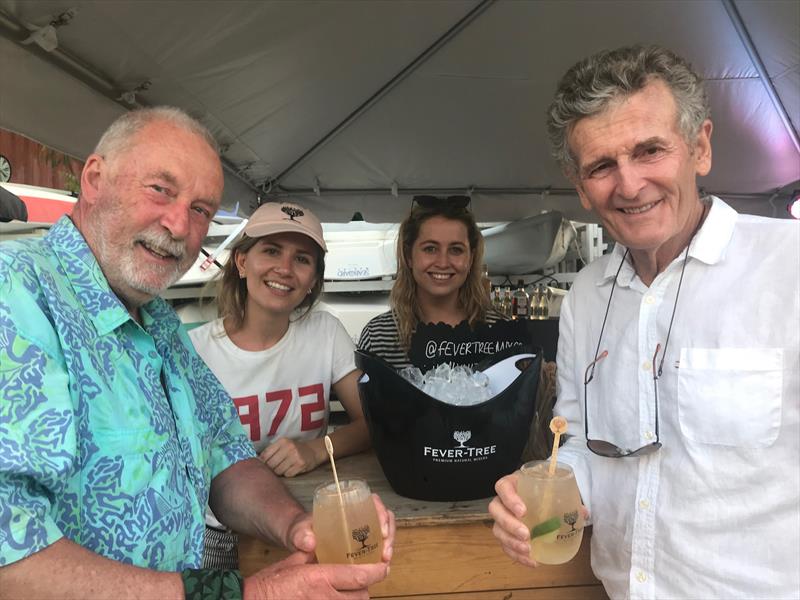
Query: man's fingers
point(517, 550)
point(383, 515)
point(294, 559)
point(511, 544)
point(388, 527)
point(351, 595)
point(506, 489)
point(302, 535)
point(355, 577)
point(507, 522)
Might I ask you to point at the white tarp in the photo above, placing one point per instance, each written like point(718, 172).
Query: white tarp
point(471, 81)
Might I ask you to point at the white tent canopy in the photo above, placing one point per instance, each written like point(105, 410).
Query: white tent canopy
point(355, 106)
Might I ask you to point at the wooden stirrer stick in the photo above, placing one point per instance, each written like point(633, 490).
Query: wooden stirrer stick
point(345, 528)
point(329, 448)
point(558, 425)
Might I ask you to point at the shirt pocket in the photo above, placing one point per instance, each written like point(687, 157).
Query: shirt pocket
point(730, 396)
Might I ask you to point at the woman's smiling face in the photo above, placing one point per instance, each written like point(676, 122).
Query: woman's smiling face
point(440, 258)
point(280, 270)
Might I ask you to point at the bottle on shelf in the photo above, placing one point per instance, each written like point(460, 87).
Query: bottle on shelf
point(497, 299)
point(534, 300)
point(539, 305)
point(544, 303)
point(506, 306)
point(520, 303)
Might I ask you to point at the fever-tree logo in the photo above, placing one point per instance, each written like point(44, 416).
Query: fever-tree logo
point(360, 534)
point(461, 437)
point(571, 518)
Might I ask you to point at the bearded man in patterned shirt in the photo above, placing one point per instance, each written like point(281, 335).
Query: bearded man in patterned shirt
point(113, 433)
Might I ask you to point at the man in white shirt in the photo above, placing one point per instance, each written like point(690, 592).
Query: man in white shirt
point(695, 491)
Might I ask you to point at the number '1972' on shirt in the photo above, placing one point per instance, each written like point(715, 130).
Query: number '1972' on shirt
point(250, 417)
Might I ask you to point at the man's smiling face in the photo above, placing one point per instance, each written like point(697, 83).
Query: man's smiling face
point(152, 205)
point(636, 171)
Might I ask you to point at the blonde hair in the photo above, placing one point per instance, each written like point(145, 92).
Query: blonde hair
point(232, 290)
point(403, 298)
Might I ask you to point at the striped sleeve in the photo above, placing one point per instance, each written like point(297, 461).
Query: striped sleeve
point(380, 336)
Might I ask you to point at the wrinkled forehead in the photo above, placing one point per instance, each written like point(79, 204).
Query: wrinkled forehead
point(163, 134)
point(172, 152)
point(648, 112)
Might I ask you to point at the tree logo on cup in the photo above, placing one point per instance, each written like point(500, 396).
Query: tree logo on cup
point(571, 518)
point(360, 534)
point(461, 437)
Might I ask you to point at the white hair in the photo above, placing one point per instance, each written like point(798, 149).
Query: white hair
point(592, 84)
point(117, 138)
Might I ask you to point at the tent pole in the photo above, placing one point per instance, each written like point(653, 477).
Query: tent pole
point(283, 192)
point(385, 88)
point(744, 36)
point(90, 76)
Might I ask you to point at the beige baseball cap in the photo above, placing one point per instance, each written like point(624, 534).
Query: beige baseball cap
point(281, 217)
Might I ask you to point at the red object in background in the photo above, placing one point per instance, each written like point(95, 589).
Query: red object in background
point(44, 205)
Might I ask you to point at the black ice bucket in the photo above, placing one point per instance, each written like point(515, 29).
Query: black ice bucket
point(430, 450)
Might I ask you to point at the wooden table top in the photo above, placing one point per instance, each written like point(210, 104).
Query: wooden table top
point(408, 512)
point(442, 549)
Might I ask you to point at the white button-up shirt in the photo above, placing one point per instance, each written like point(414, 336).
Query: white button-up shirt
point(715, 513)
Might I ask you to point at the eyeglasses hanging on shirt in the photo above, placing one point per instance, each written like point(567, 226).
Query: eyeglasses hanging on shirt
point(609, 449)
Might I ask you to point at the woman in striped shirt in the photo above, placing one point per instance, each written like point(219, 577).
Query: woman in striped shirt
point(439, 255)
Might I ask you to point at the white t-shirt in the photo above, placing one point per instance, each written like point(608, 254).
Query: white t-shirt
point(283, 391)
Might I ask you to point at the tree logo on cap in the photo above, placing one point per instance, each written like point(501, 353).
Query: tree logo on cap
point(292, 212)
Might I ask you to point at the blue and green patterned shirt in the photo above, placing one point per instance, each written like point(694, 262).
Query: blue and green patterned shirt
point(110, 431)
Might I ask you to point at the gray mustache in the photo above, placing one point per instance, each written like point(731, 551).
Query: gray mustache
point(163, 243)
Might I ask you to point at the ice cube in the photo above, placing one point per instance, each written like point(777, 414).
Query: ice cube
point(457, 385)
point(413, 375)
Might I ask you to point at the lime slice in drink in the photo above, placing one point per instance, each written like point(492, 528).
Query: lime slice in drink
point(549, 528)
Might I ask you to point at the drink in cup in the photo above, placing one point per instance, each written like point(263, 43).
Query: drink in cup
point(346, 527)
point(553, 513)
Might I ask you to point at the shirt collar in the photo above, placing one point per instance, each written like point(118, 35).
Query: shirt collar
point(83, 273)
point(709, 245)
point(159, 319)
point(626, 273)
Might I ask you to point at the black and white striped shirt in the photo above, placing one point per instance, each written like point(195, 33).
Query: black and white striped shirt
point(380, 336)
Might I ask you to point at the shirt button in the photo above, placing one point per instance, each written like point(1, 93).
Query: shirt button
point(649, 435)
point(649, 299)
point(646, 366)
point(641, 576)
point(644, 504)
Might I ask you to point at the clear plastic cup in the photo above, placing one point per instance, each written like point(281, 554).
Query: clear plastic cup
point(553, 513)
point(347, 531)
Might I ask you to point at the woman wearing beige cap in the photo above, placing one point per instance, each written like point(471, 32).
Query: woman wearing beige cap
point(276, 358)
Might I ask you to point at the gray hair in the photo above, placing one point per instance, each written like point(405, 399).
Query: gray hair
point(595, 82)
point(119, 135)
